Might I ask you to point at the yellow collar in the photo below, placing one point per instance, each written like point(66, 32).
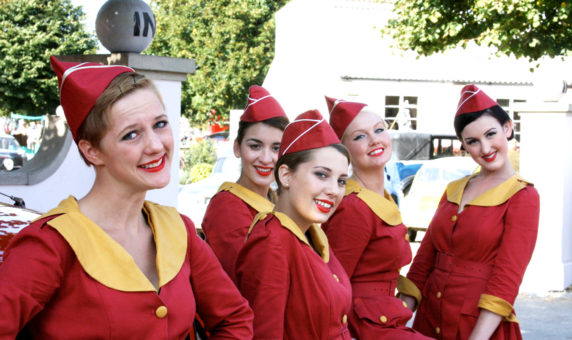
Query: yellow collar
point(492, 197)
point(107, 261)
point(318, 236)
point(251, 198)
point(384, 207)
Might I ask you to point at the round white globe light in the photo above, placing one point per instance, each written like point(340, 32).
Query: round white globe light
point(125, 25)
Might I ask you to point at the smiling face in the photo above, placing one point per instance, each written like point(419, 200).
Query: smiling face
point(311, 192)
point(368, 141)
point(136, 150)
point(258, 153)
point(486, 140)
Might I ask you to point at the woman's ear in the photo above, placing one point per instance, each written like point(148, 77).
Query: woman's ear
point(507, 127)
point(90, 152)
point(285, 175)
point(236, 148)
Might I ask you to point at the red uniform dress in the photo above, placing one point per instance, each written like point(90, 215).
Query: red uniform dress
point(371, 242)
point(296, 292)
point(65, 278)
point(475, 259)
point(227, 220)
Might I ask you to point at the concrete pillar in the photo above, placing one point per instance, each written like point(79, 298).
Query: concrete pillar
point(70, 176)
point(546, 146)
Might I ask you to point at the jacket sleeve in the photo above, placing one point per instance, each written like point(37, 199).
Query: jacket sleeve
point(349, 232)
point(225, 224)
point(424, 260)
point(264, 279)
point(225, 312)
point(514, 252)
point(33, 269)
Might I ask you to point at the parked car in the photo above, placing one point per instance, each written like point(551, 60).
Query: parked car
point(12, 219)
point(193, 198)
point(418, 207)
point(12, 156)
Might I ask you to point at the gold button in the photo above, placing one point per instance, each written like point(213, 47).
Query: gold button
point(336, 277)
point(383, 319)
point(437, 330)
point(404, 304)
point(454, 218)
point(161, 312)
point(406, 237)
point(345, 318)
point(439, 295)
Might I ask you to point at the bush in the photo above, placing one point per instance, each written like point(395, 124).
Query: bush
point(198, 172)
point(197, 153)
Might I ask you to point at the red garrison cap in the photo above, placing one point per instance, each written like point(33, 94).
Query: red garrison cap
point(309, 131)
point(261, 106)
point(80, 86)
point(342, 113)
point(473, 99)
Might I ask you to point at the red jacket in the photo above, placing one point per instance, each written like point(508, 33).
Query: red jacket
point(64, 278)
point(371, 242)
point(227, 220)
point(475, 259)
point(296, 292)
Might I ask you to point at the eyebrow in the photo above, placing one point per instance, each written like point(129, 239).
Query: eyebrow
point(254, 140)
point(133, 126)
point(322, 167)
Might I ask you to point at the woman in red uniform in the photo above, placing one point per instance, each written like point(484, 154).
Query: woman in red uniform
point(112, 265)
point(232, 209)
point(293, 282)
point(366, 232)
point(472, 259)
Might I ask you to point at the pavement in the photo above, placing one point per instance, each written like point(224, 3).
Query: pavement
point(545, 317)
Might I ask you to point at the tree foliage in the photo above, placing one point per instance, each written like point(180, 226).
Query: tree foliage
point(31, 31)
point(524, 28)
point(232, 42)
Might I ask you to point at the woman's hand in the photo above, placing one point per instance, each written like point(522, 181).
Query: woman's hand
point(409, 300)
point(486, 324)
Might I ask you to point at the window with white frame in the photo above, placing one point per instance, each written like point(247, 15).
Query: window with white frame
point(508, 106)
point(401, 112)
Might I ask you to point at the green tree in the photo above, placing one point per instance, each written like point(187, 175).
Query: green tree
point(31, 31)
point(232, 42)
point(524, 28)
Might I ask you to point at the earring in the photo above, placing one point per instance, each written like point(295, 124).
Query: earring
point(286, 185)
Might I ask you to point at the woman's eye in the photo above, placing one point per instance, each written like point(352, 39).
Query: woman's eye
point(276, 148)
point(320, 174)
point(491, 134)
point(342, 182)
point(130, 135)
point(254, 146)
point(358, 137)
point(379, 130)
point(471, 142)
point(161, 124)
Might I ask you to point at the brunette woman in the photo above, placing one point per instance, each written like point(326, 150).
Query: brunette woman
point(231, 211)
point(472, 259)
point(112, 265)
point(366, 231)
point(286, 270)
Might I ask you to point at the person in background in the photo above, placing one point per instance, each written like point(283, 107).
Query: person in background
point(366, 232)
point(231, 211)
point(286, 270)
point(472, 259)
point(112, 265)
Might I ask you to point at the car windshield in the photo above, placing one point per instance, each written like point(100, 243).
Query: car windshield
point(8, 144)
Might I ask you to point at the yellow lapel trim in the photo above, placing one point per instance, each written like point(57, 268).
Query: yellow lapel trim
point(490, 198)
point(251, 198)
point(107, 261)
point(319, 238)
point(384, 207)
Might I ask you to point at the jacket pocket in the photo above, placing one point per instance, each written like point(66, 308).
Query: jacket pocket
point(387, 311)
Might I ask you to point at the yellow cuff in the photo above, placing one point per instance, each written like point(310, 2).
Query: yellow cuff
point(407, 287)
point(498, 306)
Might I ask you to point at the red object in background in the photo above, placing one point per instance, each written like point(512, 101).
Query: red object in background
point(12, 220)
point(216, 127)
